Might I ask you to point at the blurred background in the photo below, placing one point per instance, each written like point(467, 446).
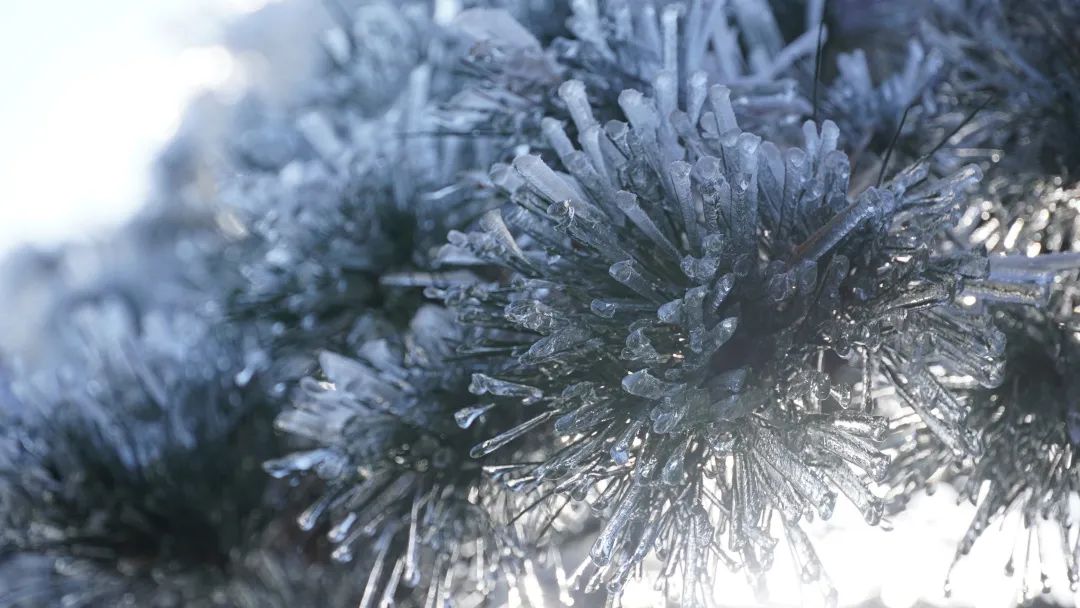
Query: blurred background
point(98, 95)
point(92, 91)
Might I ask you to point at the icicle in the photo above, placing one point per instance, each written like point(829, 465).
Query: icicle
point(627, 202)
point(643, 384)
point(572, 92)
point(483, 384)
point(639, 348)
point(670, 25)
point(590, 142)
point(556, 137)
point(871, 203)
point(620, 450)
point(610, 308)
point(371, 588)
point(1008, 293)
point(391, 586)
point(870, 427)
point(715, 192)
point(544, 181)
point(572, 339)
point(642, 115)
point(630, 274)
point(490, 445)
point(605, 542)
point(492, 223)
point(533, 315)
point(697, 90)
point(310, 516)
point(679, 174)
point(854, 451)
point(804, 553)
point(583, 418)
point(869, 505)
point(280, 468)
point(801, 477)
point(666, 89)
point(720, 100)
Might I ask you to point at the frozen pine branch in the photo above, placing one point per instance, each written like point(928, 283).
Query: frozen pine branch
point(392, 433)
point(137, 483)
point(689, 311)
point(1028, 423)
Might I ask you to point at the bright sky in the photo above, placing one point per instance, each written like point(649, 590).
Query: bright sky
point(90, 90)
point(904, 567)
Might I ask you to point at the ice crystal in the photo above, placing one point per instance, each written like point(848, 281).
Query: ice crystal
point(392, 430)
